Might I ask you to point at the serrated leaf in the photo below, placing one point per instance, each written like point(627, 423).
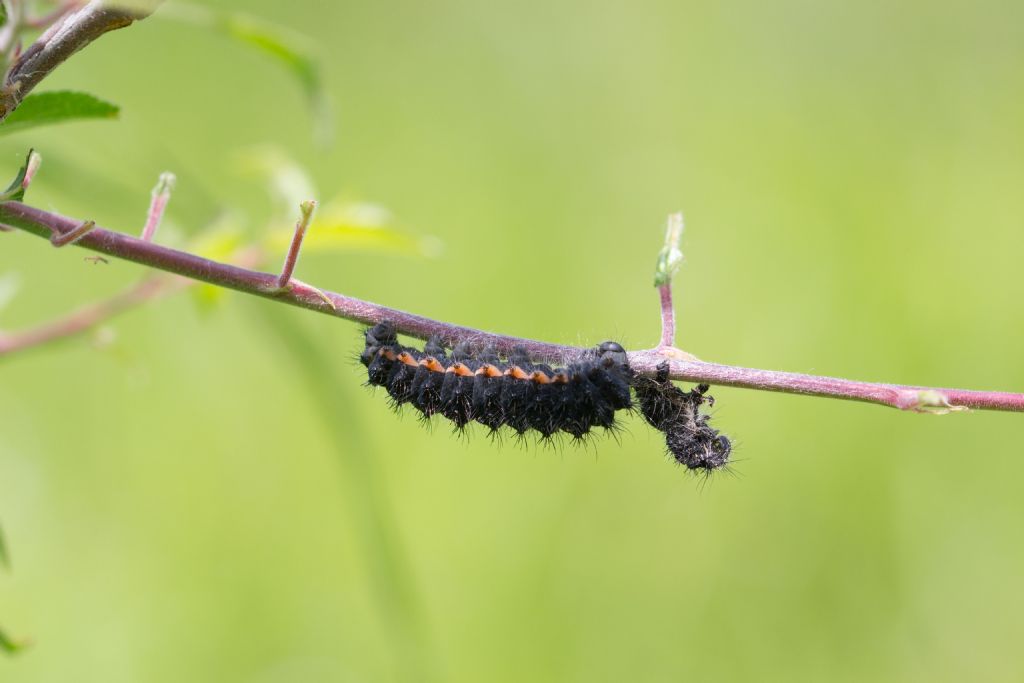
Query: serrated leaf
point(58, 106)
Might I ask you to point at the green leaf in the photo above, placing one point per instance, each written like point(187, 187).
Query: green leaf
point(269, 39)
point(16, 190)
point(295, 57)
point(341, 224)
point(10, 645)
point(346, 225)
point(45, 108)
point(290, 183)
point(288, 48)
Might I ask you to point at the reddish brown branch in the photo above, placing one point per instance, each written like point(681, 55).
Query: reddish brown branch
point(87, 317)
point(58, 43)
point(157, 205)
point(46, 225)
point(292, 257)
point(668, 316)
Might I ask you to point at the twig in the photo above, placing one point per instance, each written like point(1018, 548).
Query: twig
point(157, 205)
point(668, 317)
point(58, 43)
point(73, 235)
point(292, 257)
point(87, 317)
point(669, 259)
point(923, 399)
point(285, 282)
point(91, 316)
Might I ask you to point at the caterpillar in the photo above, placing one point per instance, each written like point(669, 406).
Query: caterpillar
point(477, 385)
point(688, 436)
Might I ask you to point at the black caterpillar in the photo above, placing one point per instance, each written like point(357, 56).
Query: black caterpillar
point(690, 440)
point(477, 385)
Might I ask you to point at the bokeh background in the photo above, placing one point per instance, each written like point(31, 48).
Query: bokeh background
point(207, 492)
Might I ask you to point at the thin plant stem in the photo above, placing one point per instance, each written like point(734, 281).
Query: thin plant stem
point(119, 245)
point(157, 205)
point(668, 317)
point(292, 257)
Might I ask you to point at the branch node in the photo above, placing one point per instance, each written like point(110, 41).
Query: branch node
point(673, 353)
point(73, 235)
point(301, 287)
point(930, 401)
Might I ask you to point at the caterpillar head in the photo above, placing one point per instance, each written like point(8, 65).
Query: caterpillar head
point(380, 335)
point(612, 353)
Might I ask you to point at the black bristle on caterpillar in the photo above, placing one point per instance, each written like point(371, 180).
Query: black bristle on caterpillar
point(688, 436)
point(478, 385)
point(515, 392)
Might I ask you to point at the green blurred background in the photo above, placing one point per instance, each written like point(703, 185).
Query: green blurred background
point(212, 495)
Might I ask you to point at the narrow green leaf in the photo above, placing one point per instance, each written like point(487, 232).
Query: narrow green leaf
point(45, 108)
point(289, 48)
point(3, 15)
point(16, 190)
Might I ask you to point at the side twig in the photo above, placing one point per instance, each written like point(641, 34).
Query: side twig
point(87, 317)
point(669, 259)
point(118, 245)
point(157, 205)
point(292, 257)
